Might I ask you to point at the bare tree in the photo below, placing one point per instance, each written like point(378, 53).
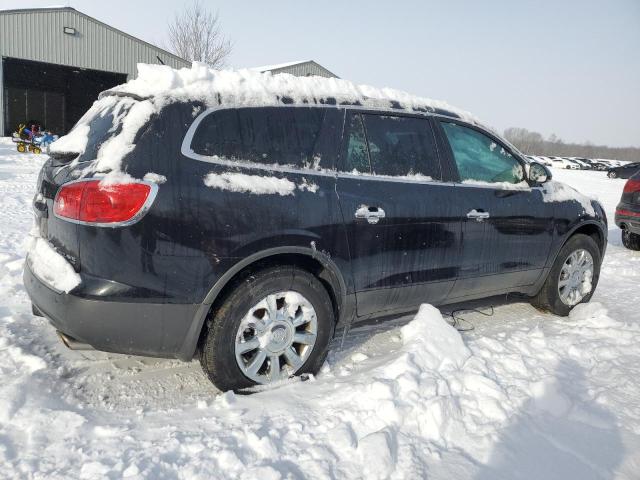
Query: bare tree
point(195, 35)
point(533, 143)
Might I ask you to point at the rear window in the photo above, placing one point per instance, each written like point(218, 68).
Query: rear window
point(101, 122)
point(289, 136)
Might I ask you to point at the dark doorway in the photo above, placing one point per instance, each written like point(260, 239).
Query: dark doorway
point(53, 96)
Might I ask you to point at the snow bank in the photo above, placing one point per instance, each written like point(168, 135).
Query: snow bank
point(256, 184)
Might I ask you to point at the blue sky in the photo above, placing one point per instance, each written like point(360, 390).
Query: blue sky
point(566, 67)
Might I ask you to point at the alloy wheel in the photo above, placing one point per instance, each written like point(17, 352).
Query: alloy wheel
point(276, 337)
point(576, 276)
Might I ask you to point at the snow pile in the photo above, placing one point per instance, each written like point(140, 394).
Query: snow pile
point(154, 178)
point(256, 184)
point(246, 87)
point(51, 267)
point(525, 395)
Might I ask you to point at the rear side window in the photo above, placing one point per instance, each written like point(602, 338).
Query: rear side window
point(479, 158)
point(288, 136)
point(401, 146)
point(392, 146)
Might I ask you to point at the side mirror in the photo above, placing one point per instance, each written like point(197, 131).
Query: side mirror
point(538, 173)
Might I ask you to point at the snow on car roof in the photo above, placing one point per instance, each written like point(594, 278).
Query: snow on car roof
point(248, 87)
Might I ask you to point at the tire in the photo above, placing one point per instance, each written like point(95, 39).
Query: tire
point(612, 175)
point(21, 148)
point(630, 240)
point(218, 347)
point(548, 298)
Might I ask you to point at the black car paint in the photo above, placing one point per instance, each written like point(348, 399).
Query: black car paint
point(625, 171)
point(148, 288)
point(628, 210)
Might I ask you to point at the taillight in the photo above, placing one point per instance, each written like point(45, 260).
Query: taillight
point(93, 203)
point(632, 186)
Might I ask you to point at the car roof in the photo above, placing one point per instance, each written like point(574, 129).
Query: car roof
point(245, 88)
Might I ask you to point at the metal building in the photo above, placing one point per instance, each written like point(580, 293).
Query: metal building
point(55, 61)
point(306, 68)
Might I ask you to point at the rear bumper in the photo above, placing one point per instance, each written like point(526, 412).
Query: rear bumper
point(151, 329)
point(628, 216)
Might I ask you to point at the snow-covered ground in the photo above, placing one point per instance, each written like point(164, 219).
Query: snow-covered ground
point(524, 395)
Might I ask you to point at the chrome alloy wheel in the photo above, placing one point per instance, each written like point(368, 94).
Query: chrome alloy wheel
point(276, 337)
point(576, 276)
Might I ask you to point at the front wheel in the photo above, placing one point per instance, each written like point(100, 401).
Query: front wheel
point(630, 240)
point(275, 324)
point(573, 277)
point(612, 175)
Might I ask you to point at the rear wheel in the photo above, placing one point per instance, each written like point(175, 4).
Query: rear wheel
point(573, 277)
point(630, 240)
point(273, 325)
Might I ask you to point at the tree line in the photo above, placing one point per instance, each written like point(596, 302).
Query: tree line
point(533, 143)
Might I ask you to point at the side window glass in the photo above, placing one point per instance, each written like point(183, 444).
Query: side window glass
point(357, 158)
point(479, 158)
point(401, 146)
point(293, 137)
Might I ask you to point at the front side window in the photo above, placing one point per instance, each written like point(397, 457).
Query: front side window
point(479, 158)
point(401, 146)
point(287, 136)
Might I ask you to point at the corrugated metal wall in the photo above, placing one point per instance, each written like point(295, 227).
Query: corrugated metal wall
point(38, 35)
point(305, 69)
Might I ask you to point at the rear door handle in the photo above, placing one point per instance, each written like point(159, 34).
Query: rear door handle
point(478, 215)
point(372, 214)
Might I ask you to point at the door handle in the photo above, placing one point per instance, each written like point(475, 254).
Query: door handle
point(372, 214)
point(478, 215)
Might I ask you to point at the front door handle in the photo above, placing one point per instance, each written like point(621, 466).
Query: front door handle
point(372, 214)
point(478, 215)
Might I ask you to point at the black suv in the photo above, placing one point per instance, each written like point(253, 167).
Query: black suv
point(628, 213)
point(247, 233)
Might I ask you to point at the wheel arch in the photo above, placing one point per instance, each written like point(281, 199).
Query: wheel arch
point(317, 263)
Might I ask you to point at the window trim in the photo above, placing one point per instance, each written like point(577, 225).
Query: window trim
point(439, 119)
point(187, 151)
point(433, 118)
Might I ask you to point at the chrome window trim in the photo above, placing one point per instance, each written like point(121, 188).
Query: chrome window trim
point(136, 218)
point(188, 152)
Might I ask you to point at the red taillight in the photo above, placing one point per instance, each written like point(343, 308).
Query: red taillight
point(632, 186)
point(91, 202)
point(627, 213)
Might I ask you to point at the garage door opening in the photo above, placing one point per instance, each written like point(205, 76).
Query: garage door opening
point(49, 95)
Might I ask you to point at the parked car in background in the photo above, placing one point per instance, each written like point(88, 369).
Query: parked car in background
point(595, 165)
point(249, 225)
point(560, 162)
point(624, 171)
point(582, 165)
point(628, 213)
point(544, 160)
